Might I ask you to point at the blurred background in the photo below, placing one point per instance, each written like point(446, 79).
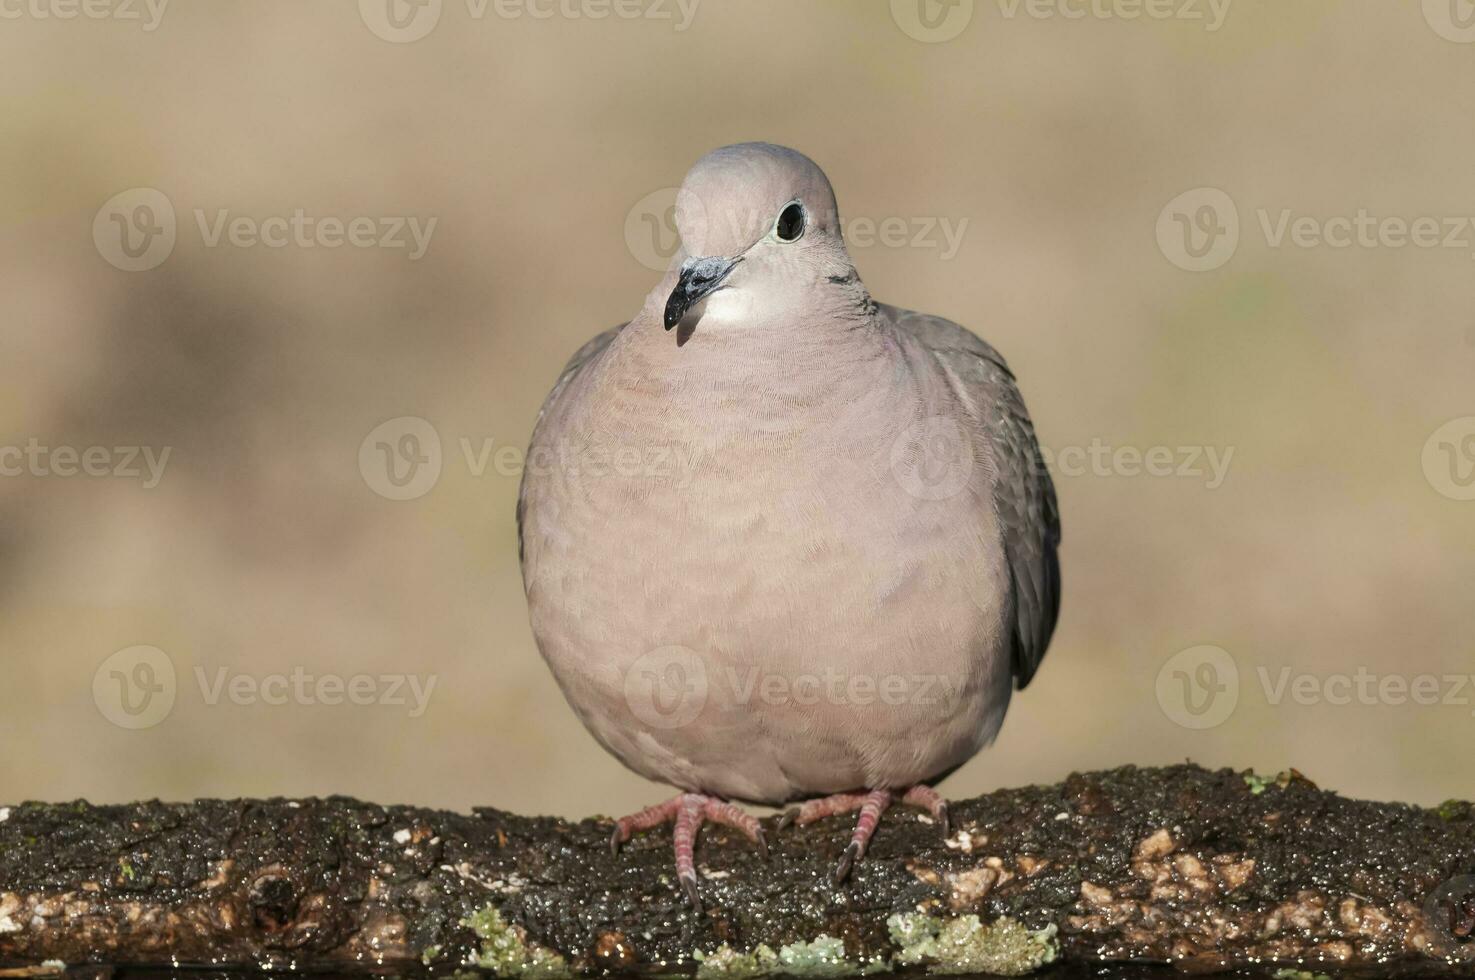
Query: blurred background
point(285, 284)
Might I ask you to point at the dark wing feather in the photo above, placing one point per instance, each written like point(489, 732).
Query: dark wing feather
point(581, 357)
point(1024, 496)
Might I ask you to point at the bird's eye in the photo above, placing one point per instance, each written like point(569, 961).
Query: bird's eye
point(790, 224)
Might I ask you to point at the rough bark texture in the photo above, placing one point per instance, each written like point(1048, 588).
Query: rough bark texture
point(1203, 870)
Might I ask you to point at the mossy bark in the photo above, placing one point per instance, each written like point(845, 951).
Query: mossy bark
point(1203, 870)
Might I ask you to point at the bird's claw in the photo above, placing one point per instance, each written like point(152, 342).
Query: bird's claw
point(847, 860)
point(615, 841)
point(762, 841)
point(787, 820)
point(689, 885)
point(945, 821)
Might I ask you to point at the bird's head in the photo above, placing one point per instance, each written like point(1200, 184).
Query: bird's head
point(760, 232)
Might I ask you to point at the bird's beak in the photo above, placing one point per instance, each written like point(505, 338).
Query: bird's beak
point(699, 277)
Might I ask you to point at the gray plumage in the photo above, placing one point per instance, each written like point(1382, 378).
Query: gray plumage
point(1023, 491)
point(803, 541)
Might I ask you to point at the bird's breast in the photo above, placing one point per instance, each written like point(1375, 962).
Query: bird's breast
point(765, 533)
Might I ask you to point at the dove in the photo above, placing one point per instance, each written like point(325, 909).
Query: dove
point(782, 543)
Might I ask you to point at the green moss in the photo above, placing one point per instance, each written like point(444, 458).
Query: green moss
point(821, 957)
point(428, 957)
point(1453, 810)
point(1257, 783)
point(724, 961)
point(916, 934)
point(1289, 974)
point(963, 944)
point(505, 949)
point(125, 868)
point(1283, 779)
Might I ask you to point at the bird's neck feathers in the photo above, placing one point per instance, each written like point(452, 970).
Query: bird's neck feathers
point(763, 327)
point(826, 342)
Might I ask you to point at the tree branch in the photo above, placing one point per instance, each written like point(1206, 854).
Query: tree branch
point(1204, 870)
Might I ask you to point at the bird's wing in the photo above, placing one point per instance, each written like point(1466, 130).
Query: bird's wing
point(571, 370)
point(1029, 516)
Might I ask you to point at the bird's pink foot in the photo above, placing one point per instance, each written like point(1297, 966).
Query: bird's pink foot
point(688, 812)
point(871, 805)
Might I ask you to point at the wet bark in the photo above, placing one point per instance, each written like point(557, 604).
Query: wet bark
point(1202, 870)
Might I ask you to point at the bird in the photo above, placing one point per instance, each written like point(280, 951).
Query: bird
point(783, 544)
